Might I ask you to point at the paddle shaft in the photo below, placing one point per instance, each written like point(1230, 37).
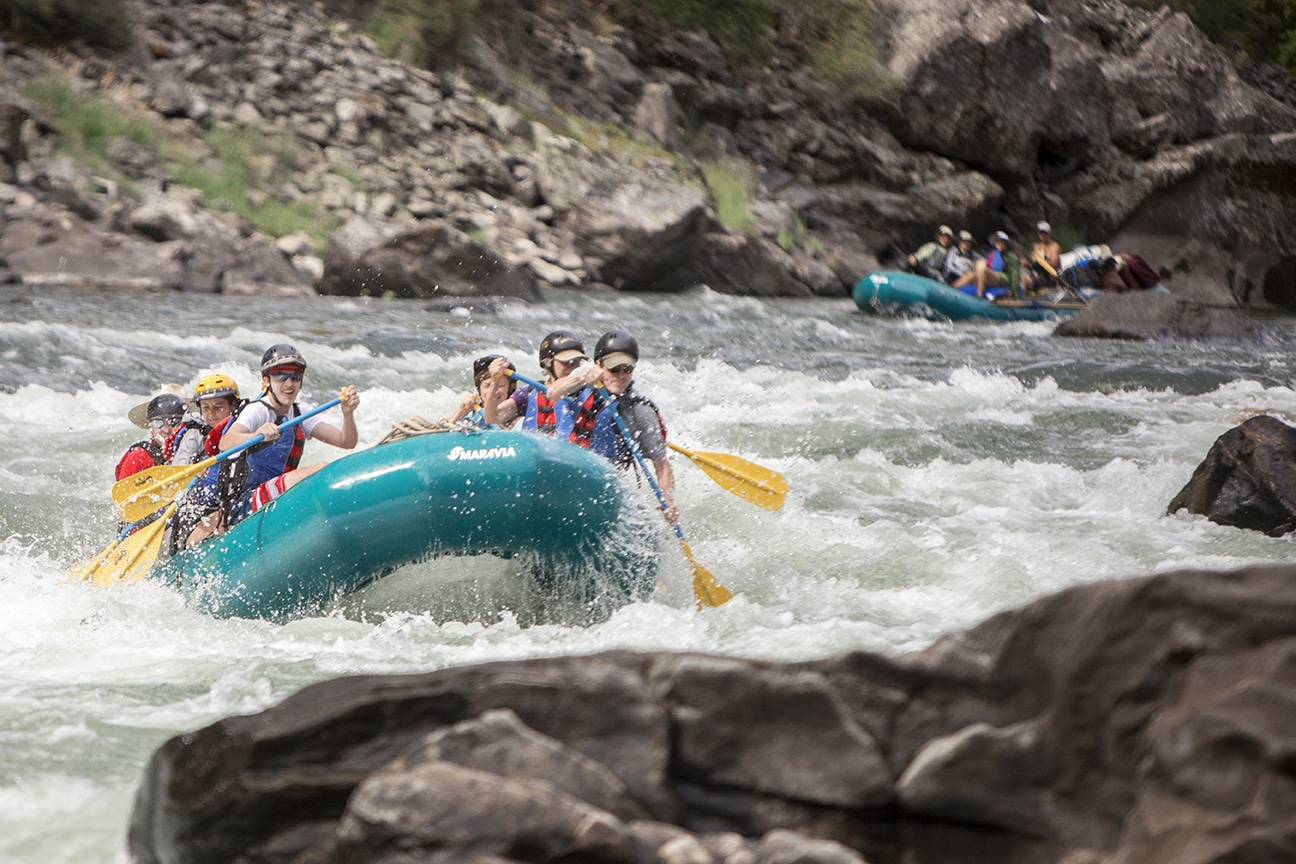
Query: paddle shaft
point(283, 427)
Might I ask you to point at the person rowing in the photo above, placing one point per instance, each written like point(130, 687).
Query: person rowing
point(615, 356)
point(267, 471)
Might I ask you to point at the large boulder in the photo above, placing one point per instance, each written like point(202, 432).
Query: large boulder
point(1248, 479)
point(1126, 720)
point(378, 256)
point(1148, 315)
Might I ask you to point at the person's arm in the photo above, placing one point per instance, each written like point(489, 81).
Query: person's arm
point(347, 437)
point(239, 431)
point(666, 482)
point(504, 412)
point(1054, 256)
point(585, 376)
point(467, 405)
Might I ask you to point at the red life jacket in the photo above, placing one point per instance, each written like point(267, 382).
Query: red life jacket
point(586, 413)
point(298, 446)
point(150, 447)
point(211, 444)
point(546, 419)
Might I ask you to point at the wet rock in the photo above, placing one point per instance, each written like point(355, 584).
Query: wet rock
point(1148, 315)
point(1125, 720)
point(1248, 479)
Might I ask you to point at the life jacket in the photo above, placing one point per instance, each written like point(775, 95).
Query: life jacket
point(608, 441)
point(584, 417)
point(546, 416)
point(149, 446)
point(211, 444)
point(237, 478)
point(280, 456)
point(172, 443)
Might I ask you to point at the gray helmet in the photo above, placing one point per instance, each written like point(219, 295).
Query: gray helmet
point(559, 342)
point(281, 354)
point(167, 406)
point(616, 342)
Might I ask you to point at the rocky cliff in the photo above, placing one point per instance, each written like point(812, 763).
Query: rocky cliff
point(570, 149)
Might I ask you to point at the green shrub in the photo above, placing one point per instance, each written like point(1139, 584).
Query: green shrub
point(100, 23)
point(742, 28)
point(429, 34)
point(87, 125)
point(731, 190)
point(237, 162)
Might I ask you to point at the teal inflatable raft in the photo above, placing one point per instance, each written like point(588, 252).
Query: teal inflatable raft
point(894, 291)
point(452, 493)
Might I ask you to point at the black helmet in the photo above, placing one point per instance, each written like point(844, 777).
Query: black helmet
point(167, 406)
point(560, 342)
point(616, 342)
point(482, 365)
point(281, 354)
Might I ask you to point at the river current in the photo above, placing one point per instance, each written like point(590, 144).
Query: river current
point(938, 473)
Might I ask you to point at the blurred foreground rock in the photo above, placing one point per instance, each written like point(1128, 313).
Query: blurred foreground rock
point(1120, 721)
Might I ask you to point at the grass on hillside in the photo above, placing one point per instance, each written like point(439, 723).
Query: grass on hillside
point(731, 189)
point(235, 162)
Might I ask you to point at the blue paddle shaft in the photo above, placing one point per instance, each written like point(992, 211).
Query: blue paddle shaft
point(283, 427)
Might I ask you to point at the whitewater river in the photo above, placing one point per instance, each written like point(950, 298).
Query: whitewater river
point(939, 473)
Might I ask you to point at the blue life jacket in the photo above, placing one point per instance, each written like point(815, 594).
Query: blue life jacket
point(279, 456)
point(544, 415)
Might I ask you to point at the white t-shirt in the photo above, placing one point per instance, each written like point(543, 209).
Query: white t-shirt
point(257, 414)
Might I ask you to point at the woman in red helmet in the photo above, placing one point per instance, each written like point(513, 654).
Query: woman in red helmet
point(271, 469)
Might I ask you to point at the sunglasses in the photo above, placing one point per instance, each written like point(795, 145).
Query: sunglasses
point(623, 369)
point(164, 421)
point(281, 377)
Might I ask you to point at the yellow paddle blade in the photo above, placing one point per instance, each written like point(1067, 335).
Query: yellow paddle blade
point(755, 483)
point(708, 589)
point(139, 495)
point(1039, 259)
point(127, 559)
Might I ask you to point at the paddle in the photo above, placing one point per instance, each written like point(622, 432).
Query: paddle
point(143, 493)
point(128, 557)
point(761, 486)
point(749, 481)
point(709, 590)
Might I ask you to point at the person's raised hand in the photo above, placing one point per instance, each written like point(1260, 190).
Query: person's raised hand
point(350, 399)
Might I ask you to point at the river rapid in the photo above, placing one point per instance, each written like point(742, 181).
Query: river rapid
point(938, 473)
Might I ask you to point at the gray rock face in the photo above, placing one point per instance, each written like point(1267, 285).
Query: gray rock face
point(1248, 479)
point(1115, 721)
point(371, 255)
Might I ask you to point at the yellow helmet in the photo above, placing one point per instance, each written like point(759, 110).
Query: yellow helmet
point(216, 384)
